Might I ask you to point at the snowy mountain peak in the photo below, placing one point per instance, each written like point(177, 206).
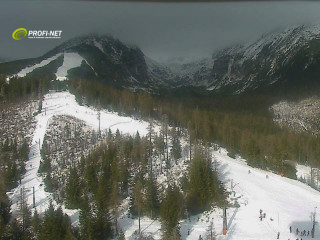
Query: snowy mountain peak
point(96, 57)
point(278, 60)
point(269, 61)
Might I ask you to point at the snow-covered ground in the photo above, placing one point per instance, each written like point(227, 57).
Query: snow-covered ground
point(63, 103)
point(298, 115)
point(286, 202)
point(303, 172)
point(29, 69)
point(70, 60)
point(304, 175)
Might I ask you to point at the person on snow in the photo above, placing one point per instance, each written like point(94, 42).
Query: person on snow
point(278, 236)
point(290, 229)
point(297, 231)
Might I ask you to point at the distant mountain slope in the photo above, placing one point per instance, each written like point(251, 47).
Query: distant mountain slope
point(95, 57)
point(288, 59)
point(283, 59)
point(300, 116)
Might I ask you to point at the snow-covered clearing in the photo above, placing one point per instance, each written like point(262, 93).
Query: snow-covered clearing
point(309, 176)
point(45, 62)
point(70, 60)
point(63, 103)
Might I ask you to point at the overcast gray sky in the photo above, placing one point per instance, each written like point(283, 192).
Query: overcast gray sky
point(163, 31)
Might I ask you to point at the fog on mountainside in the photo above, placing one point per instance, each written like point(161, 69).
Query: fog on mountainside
point(164, 32)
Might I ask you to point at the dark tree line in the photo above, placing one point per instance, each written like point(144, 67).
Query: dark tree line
point(243, 124)
point(31, 86)
point(53, 225)
point(12, 162)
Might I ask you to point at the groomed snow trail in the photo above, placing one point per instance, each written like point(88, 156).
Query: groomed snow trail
point(63, 103)
point(70, 60)
point(286, 202)
point(44, 62)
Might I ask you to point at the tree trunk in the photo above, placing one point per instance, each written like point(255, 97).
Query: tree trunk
point(139, 225)
point(116, 226)
point(190, 146)
point(167, 145)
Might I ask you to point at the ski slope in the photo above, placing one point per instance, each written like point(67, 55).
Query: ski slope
point(70, 60)
point(286, 203)
point(43, 63)
point(63, 103)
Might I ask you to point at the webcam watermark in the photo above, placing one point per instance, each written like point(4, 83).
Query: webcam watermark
point(20, 33)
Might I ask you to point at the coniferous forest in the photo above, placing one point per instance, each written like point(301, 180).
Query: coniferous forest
point(242, 124)
point(159, 120)
point(127, 167)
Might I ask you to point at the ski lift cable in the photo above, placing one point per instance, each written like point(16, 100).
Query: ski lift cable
point(148, 225)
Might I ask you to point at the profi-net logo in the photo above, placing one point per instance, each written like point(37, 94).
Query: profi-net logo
point(19, 33)
point(22, 32)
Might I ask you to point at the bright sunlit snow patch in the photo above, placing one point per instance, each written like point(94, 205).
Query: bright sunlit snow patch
point(286, 202)
point(45, 62)
point(303, 172)
point(70, 60)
